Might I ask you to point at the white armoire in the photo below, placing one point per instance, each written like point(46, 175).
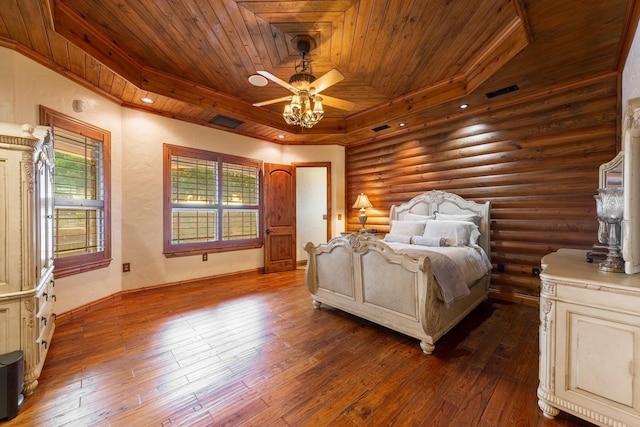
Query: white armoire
point(589, 332)
point(26, 245)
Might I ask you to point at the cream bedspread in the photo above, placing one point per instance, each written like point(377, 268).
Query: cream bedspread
point(455, 268)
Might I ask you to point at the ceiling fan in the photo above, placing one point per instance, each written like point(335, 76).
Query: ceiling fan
point(306, 90)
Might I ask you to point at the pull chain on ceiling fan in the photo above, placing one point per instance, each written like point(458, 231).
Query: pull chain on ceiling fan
point(306, 91)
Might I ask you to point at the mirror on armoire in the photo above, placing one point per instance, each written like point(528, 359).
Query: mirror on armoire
point(621, 175)
point(631, 184)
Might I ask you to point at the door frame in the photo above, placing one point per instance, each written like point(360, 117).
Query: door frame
point(327, 166)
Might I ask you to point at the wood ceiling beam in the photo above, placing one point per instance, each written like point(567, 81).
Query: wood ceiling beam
point(507, 45)
point(501, 50)
point(77, 30)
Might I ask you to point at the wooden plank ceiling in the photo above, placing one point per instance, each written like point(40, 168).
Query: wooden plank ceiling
point(404, 61)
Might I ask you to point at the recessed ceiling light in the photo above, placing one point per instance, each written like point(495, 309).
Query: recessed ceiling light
point(258, 80)
point(464, 106)
point(147, 100)
point(281, 136)
point(403, 124)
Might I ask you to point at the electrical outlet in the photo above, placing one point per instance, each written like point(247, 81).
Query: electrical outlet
point(126, 267)
point(205, 257)
point(500, 267)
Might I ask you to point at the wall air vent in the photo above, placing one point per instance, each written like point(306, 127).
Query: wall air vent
point(502, 91)
point(380, 128)
point(225, 121)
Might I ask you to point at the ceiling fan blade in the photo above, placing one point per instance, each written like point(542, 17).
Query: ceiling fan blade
point(273, 101)
point(337, 103)
point(329, 79)
point(277, 80)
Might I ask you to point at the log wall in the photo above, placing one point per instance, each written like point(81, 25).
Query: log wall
point(535, 158)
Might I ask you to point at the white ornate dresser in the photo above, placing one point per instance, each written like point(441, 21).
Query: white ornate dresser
point(26, 245)
point(589, 341)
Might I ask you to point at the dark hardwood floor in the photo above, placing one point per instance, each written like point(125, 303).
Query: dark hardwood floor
point(251, 350)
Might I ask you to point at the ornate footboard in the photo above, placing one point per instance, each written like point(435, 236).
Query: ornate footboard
point(366, 277)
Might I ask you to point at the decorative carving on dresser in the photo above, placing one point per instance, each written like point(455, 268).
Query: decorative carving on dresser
point(26, 247)
point(548, 288)
point(545, 309)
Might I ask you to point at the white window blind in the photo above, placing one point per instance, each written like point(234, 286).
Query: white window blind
point(240, 198)
point(79, 195)
point(194, 197)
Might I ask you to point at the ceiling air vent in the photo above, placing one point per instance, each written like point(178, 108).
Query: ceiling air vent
point(225, 121)
point(502, 91)
point(380, 128)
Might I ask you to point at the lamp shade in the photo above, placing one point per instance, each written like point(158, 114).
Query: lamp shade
point(362, 202)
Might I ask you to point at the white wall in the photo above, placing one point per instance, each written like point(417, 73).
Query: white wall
point(311, 207)
point(631, 74)
point(136, 179)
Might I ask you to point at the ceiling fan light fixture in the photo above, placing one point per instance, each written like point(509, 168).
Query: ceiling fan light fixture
point(295, 102)
point(317, 106)
point(304, 107)
point(302, 80)
point(301, 113)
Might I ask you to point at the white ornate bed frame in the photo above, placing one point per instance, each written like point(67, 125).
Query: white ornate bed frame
point(363, 276)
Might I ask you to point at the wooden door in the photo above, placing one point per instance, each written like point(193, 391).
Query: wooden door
point(279, 218)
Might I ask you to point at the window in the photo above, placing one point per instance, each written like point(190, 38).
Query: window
point(81, 224)
point(212, 202)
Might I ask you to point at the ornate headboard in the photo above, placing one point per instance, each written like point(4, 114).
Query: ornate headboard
point(447, 203)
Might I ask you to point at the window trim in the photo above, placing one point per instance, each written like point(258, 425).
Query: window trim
point(171, 250)
point(76, 264)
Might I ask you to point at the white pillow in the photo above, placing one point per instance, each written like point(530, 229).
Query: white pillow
point(455, 233)
point(415, 217)
point(407, 228)
point(429, 241)
point(458, 217)
point(399, 238)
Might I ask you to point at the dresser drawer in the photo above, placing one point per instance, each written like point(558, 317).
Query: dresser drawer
point(45, 315)
point(45, 297)
point(46, 332)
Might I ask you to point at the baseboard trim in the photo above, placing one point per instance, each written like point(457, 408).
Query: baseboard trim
point(88, 308)
point(515, 298)
point(118, 296)
point(190, 282)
